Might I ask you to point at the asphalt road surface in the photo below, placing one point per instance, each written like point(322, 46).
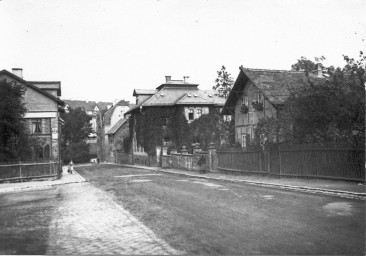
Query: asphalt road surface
point(195, 216)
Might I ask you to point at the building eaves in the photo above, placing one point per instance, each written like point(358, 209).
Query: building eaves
point(115, 127)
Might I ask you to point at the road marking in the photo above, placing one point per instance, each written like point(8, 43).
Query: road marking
point(338, 208)
point(182, 180)
point(268, 197)
point(208, 184)
point(137, 181)
point(136, 175)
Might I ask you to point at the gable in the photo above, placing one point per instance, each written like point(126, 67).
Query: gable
point(273, 84)
point(34, 99)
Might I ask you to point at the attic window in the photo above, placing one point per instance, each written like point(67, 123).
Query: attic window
point(189, 95)
point(162, 94)
point(195, 95)
point(210, 95)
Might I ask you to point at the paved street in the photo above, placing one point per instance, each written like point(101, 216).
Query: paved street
point(81, 219)
point(135, 211)
point(201, 216)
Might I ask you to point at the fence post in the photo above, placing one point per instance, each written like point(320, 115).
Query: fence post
point(20, 169)
point(260, 161)
point(279, 153)
point(212, 157)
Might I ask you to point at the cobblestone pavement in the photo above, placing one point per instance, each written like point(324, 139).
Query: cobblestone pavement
point(87, 221)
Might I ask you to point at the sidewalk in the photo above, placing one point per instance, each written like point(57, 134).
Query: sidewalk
point(345, 189)
point(38, 184)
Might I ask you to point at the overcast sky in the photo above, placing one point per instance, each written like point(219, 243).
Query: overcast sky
point(102, 50)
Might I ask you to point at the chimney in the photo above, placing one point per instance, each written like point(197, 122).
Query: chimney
point(185, 79)
point(168, 79)
point(18, 72)
point(319, 70)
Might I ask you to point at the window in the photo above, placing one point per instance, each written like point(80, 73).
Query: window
point(110, 137)
point(244, 141)
point(251, 118)
point(245, 100)
point(260, 98)
point(199, 113)
point(37, 126)
point(191, 114)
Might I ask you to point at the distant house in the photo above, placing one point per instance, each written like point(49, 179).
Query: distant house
point(178, 95)
point(258, 93)
point(110, 121)
point(91, 108)
point(115, 136)
point(43, 113)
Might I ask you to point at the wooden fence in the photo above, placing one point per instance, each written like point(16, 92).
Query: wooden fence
point(298, 161)
point(29, 170)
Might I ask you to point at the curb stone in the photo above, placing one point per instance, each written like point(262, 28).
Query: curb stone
point(330, 192)
point(78, 179)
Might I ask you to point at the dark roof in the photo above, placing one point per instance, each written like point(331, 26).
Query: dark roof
point(272, 83)
point(178, 95)
point(88, 105)
point(143, 92)
point(48, 85)
point(4, 71)
point(116, 126)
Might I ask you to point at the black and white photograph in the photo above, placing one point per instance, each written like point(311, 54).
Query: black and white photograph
point(182, 127)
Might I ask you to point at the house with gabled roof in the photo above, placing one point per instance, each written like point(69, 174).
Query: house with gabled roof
point(109, 120)
point(115, 136)
point(180, 95)
point(256, 94)
point(43, 106)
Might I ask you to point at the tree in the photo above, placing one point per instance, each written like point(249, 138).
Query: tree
point(74, 134)
point(14, 142)
point(224, 82)
point(207, 129)
point(328, 109)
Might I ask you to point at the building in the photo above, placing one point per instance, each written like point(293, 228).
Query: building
point(178, 95)
point(43, 106)
point(115, 136)
point(110, 119)
point(256, 94)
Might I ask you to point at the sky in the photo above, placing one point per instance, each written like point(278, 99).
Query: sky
point(104, 49)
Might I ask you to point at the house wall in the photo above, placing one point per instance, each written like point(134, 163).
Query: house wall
point(117, 115)
point(205, 111)
point(245, 123)
point(117, 144)
point(42, 107)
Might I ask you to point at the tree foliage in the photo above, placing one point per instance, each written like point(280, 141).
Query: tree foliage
point(154, 126)
point(328, 109)
point(223, 82)
point(14, 139)
point(74, 134)
point(77, 125)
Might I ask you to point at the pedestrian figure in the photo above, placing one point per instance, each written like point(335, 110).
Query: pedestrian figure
point(70, 169)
